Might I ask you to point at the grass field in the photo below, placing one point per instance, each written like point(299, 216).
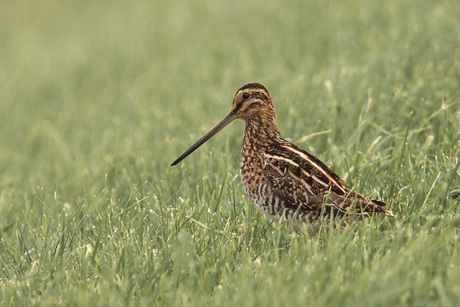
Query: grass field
point(97, 98)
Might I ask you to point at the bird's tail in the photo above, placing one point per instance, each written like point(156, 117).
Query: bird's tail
point(380, 207)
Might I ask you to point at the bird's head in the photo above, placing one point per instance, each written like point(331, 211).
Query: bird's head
point(252, 101)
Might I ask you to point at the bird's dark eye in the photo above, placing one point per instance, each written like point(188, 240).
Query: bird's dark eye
point(245, 95)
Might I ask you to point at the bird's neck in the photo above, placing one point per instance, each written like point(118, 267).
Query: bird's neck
point(261, 132)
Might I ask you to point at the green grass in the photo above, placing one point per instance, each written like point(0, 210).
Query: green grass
point(97, 98)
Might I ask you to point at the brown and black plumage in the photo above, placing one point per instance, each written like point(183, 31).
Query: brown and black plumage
point(281, 179)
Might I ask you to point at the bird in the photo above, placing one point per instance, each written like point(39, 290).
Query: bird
point(282, 180)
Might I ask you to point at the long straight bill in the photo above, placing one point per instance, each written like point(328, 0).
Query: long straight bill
point(224, 122)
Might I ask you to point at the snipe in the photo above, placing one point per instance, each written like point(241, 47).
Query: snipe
point(281, 179)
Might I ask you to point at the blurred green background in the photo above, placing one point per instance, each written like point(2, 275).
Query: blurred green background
point(99, 97)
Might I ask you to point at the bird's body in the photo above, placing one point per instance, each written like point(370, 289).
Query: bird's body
point(282, 180)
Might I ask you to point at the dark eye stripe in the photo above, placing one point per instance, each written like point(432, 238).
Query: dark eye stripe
point(250, 105)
